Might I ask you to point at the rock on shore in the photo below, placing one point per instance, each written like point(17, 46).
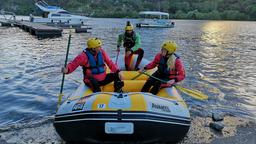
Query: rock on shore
point(235, 128)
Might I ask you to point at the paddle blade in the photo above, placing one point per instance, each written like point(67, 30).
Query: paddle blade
point(195, 94)
point(59, 100)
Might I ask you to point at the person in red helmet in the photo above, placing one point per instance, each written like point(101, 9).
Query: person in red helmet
point(170, 68)
point(132, 44)
point(93, 60)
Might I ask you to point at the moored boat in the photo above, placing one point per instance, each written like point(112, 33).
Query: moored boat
point(154, 19)
point(57, 15)
point(130, 116)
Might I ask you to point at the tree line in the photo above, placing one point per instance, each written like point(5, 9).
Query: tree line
point(178, 9)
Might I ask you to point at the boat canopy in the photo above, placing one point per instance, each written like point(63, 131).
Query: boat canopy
point(47, 8)
point(154, 14)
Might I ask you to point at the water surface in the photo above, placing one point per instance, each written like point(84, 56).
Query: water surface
point(219, 57)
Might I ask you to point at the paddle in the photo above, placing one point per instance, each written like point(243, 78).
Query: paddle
point(195, 94)
point(138, 75)
point(118, 51)
point(63, 76)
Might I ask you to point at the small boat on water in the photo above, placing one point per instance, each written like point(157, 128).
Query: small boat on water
point(54, 14)
point(154, 19)
point(131, 116)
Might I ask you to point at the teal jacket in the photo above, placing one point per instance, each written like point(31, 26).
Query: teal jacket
point(137, 41)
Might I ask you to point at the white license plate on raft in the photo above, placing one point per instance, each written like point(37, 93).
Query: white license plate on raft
point(119, 128)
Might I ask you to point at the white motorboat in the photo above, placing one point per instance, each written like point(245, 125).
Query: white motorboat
point(54, 14)
point(154, 19)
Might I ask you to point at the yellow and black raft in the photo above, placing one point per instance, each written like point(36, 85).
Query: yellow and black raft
point(131, 116)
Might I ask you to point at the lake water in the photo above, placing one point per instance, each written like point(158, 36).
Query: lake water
point(219, 57)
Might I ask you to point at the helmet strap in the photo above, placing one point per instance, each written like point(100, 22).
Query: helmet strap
point(128, 34)
point(168, 54)
point(92, 51)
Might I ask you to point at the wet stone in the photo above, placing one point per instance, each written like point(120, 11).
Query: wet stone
point(217, 125)
point(216, 116)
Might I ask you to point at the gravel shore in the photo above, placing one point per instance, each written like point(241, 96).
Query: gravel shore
point(236, 131)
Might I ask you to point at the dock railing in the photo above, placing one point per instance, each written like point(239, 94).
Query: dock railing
point(8, 15)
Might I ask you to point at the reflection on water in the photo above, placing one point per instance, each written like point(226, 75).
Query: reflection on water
point(228, 65)
point(219, 57)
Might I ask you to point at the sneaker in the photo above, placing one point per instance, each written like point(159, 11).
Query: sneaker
point(118, 86)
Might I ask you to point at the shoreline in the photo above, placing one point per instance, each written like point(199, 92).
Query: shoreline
point(236, 130)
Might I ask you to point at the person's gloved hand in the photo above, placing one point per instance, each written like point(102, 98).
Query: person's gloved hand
point(64, 70)
point(127, 53)
point(168, 83)
point(142, 70)
point(171, 82)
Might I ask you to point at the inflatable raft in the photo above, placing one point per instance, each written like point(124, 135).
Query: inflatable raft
point(128, 117)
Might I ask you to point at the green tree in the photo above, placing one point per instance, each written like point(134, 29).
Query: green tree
point(189, 9)
point(251, 10)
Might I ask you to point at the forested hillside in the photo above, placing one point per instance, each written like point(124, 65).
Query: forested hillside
point(179, 9)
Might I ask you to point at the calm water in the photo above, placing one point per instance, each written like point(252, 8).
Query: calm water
point(219, 56)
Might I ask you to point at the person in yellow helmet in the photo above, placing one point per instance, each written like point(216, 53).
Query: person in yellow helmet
point(93, 60)
point(132, 45)
point(170, 68)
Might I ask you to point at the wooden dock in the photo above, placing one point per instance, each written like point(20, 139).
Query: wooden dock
point(5, 23)
point(39, 30)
